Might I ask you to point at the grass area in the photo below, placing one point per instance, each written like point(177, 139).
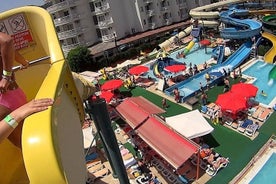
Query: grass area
point(239, 148)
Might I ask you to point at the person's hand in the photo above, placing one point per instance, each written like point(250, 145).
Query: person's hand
point(4, 83)
point(31, 107)
point(24, 66)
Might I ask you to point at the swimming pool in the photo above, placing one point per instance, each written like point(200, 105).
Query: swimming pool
point(195, 56)
point(260, 71)
point(266, 174)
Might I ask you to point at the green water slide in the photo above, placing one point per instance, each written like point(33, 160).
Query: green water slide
point(272, 73)
point(269, 23)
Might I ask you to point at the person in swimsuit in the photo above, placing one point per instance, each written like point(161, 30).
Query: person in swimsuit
point(11, 96)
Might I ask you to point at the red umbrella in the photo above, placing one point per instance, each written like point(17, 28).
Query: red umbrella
point(107, 95)
point(138, 70)
point(244, 89)
point(205, 42)
point(112, 84)
point(232, 102)
point(175, 68)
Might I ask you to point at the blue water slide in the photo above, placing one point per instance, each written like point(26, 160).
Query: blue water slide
point(218, 53)
point(242, 28)
point(190, 86)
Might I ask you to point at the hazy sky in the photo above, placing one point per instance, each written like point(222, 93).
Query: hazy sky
point(10, 4)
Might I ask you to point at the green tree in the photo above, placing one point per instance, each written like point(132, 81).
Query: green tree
point(79, 59)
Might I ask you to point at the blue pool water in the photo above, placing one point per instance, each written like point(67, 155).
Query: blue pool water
point(267, 173)
point(195, 56)
point(260, 70)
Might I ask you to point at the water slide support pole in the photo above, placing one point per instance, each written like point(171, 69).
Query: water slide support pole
point(97, 110)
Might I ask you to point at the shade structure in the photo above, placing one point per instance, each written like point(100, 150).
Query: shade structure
point(190, 124)
point(174, 148)
point(231, 102)
point(112, 84)
point(138, 70)
point(244, 89)
point(205, 42)
point(142, 108)
point(175, 68)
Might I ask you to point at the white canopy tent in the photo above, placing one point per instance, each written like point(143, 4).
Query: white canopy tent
point(191, 124)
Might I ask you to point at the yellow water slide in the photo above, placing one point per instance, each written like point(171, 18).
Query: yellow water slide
point(269, 56)
point(52, 142)
point(208, 14)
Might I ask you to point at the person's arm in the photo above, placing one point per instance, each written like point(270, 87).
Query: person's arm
point(7, 52)
point(9, 123)
point(7, 56)
point(20, 59)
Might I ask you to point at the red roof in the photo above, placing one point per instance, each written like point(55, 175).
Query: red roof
point(131, 113)
point(174, 148)
point(136, 110)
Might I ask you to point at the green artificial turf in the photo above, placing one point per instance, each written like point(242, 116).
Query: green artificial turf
point(239, 148)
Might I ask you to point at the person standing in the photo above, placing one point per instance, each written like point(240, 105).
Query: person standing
point(176, 95)
point(204, 98)
point(164, 103)
point(11, 96)
point(226, 85)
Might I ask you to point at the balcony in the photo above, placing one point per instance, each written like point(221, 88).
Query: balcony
point(61, 6)
point(70, 33)
point(150, 12)
point(66, 19)
point(106, 23)
point(100, 10)
point(108, 37)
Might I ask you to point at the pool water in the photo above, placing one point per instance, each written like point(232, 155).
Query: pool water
point(195, 56)
point(267, 173)
point(260, 71)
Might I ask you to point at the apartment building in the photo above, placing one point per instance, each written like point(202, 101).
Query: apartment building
point(105, 22)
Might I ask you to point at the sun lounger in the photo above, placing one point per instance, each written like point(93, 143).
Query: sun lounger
point(100, 174)
point(95, 168)
point(251, 129)
point(212, 171)
point(257, 112)
point(130, 162)
point(244, 125)
point(127, 156)
point(212, 109)
point(93, 162)
point(265, 114)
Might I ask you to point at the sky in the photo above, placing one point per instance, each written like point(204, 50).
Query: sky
point(10, 4)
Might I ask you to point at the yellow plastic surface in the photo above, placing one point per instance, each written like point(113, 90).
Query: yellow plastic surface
point(52, 143)
point(269, 56)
